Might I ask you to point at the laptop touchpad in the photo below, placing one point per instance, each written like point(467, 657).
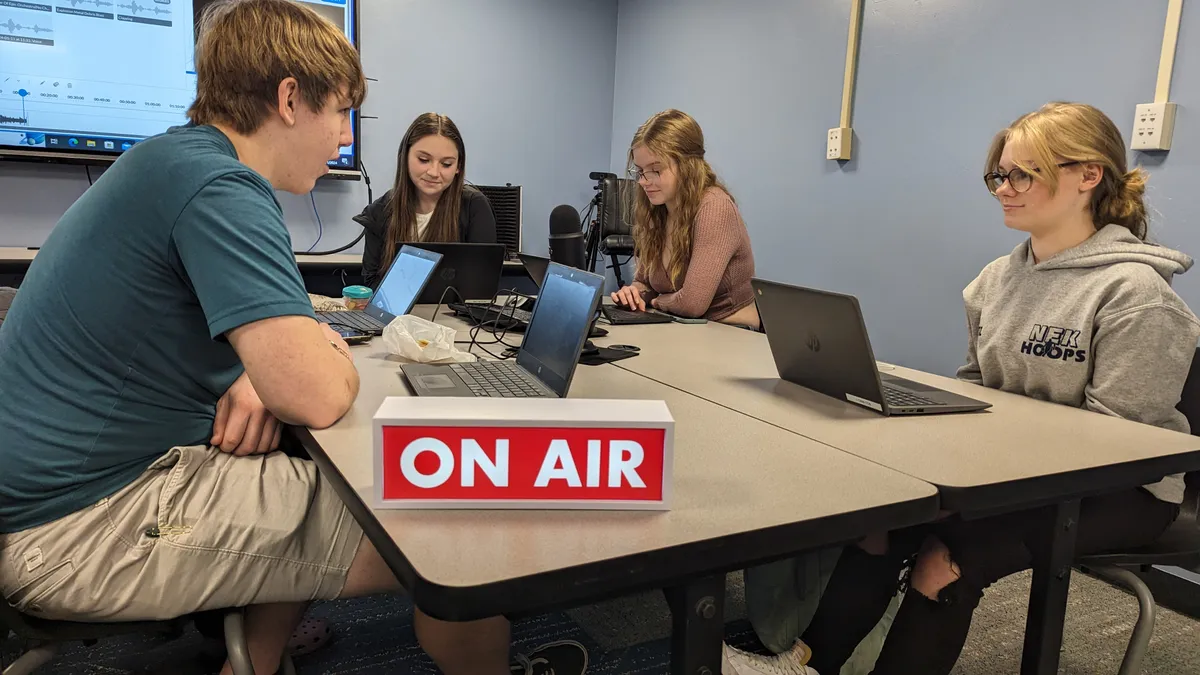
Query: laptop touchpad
point(436, 382)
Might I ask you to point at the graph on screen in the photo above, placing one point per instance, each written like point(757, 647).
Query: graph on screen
point(100, 75)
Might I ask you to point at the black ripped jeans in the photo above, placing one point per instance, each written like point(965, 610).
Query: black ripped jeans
point(927, 636)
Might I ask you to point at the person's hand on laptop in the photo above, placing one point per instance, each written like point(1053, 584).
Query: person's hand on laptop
point(243, 425)
point(631, 297)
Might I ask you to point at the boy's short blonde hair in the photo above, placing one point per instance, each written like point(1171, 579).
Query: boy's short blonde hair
point(247, 47)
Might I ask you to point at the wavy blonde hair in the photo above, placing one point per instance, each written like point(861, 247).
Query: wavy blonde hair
point(676, 139)
point(1076, 132)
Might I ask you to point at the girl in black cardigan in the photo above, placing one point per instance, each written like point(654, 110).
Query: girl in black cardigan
point(429, 201)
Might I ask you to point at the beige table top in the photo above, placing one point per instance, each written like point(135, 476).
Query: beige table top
point(1019, 451)
point(22, 254)
point(16, 254)
point(742, 490)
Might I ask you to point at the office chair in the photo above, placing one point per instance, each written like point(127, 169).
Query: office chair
point(506, 207)
point(1179, 546)
point(616, 234)
point(45, 638)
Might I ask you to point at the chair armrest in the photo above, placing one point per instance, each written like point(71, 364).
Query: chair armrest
point(1190, 509)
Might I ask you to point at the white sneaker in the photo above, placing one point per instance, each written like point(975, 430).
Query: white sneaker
point(738, 662)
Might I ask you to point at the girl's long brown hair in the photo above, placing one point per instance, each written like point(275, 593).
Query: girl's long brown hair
point(675, 138)
point(443, 225)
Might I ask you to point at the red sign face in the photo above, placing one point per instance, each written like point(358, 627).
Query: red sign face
point(523, 463)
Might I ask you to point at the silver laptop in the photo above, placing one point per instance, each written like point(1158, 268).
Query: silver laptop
point(819, 341)
point(545, 363)
point(409, 274)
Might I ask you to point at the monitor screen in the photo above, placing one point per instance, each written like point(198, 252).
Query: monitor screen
point(561, 318)
point(88, 79)
point(403, 282)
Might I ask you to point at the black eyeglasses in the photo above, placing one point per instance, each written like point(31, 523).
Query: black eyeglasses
point(1019, 179)
point(636, 174)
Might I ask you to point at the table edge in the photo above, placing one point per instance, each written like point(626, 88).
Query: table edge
point(580, 584)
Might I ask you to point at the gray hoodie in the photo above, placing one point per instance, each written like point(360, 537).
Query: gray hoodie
point(1096, 326)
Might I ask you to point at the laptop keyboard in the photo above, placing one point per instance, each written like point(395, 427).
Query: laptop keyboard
point(360, 320)
point(617, 316)
point(898, 398)
point(489, 313)
point(498, 379)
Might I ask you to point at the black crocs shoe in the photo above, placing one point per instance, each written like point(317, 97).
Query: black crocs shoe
point(564, 657)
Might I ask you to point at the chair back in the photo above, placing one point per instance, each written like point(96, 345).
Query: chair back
point(505, 201)
point(616, 198)
point(1189, 405)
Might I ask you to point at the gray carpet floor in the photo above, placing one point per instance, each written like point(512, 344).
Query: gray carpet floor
point(373, 636)
point(1100, 619)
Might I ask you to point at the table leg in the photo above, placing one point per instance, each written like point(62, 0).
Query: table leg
point(1048, 595)
point(698, 626)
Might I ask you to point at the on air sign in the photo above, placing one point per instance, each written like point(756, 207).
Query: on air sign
point(443, 452)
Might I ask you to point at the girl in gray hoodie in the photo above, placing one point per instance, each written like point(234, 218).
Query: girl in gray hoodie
point(1081, 314)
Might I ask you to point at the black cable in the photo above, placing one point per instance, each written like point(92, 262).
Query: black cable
point(88, 170)
point(320, 225)
point(583, 224)
point(370, 199)
point(507, 311)
point(478, 325)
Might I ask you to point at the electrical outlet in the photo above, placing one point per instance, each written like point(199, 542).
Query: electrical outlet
point(837, 145)
point(1153, 126)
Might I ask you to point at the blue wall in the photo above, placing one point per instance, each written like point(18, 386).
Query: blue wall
point(546, 91)
point(529, 83)
point(906, 223)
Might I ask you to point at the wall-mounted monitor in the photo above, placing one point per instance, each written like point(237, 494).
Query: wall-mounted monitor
point(84, 80)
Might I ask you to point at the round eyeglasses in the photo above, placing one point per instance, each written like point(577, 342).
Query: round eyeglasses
point(1019, 179)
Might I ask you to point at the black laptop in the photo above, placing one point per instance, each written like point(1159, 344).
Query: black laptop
point(819, 341)
point(472, 269)
point(396, 295)
point(546, 361)
point(506, 316)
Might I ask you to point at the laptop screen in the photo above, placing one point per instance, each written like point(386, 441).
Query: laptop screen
point(398, 291)
point(561, 318)
point(535, 266)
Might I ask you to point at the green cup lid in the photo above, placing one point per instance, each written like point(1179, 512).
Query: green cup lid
point(357, 292)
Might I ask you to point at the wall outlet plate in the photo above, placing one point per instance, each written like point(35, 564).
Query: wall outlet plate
point(1153, 126)
point(837, 143)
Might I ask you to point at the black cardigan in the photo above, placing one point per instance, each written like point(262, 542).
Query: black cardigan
point(476, 224)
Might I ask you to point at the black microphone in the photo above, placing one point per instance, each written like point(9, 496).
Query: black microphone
point(566, 239)
point(566, 248)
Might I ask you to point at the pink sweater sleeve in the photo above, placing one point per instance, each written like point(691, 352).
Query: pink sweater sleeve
point(715, 239)
point(642, 282)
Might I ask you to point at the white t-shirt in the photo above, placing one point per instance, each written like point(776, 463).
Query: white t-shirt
point(423, 224)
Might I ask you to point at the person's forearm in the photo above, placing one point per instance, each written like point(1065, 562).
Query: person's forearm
point(342, 394)
point(320, 399)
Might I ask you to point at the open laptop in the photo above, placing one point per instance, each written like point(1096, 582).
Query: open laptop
point(472, 269)
point(546, 361)
point(819, 341)
point(506, 316)
point(396, 295)
point(535, 266)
